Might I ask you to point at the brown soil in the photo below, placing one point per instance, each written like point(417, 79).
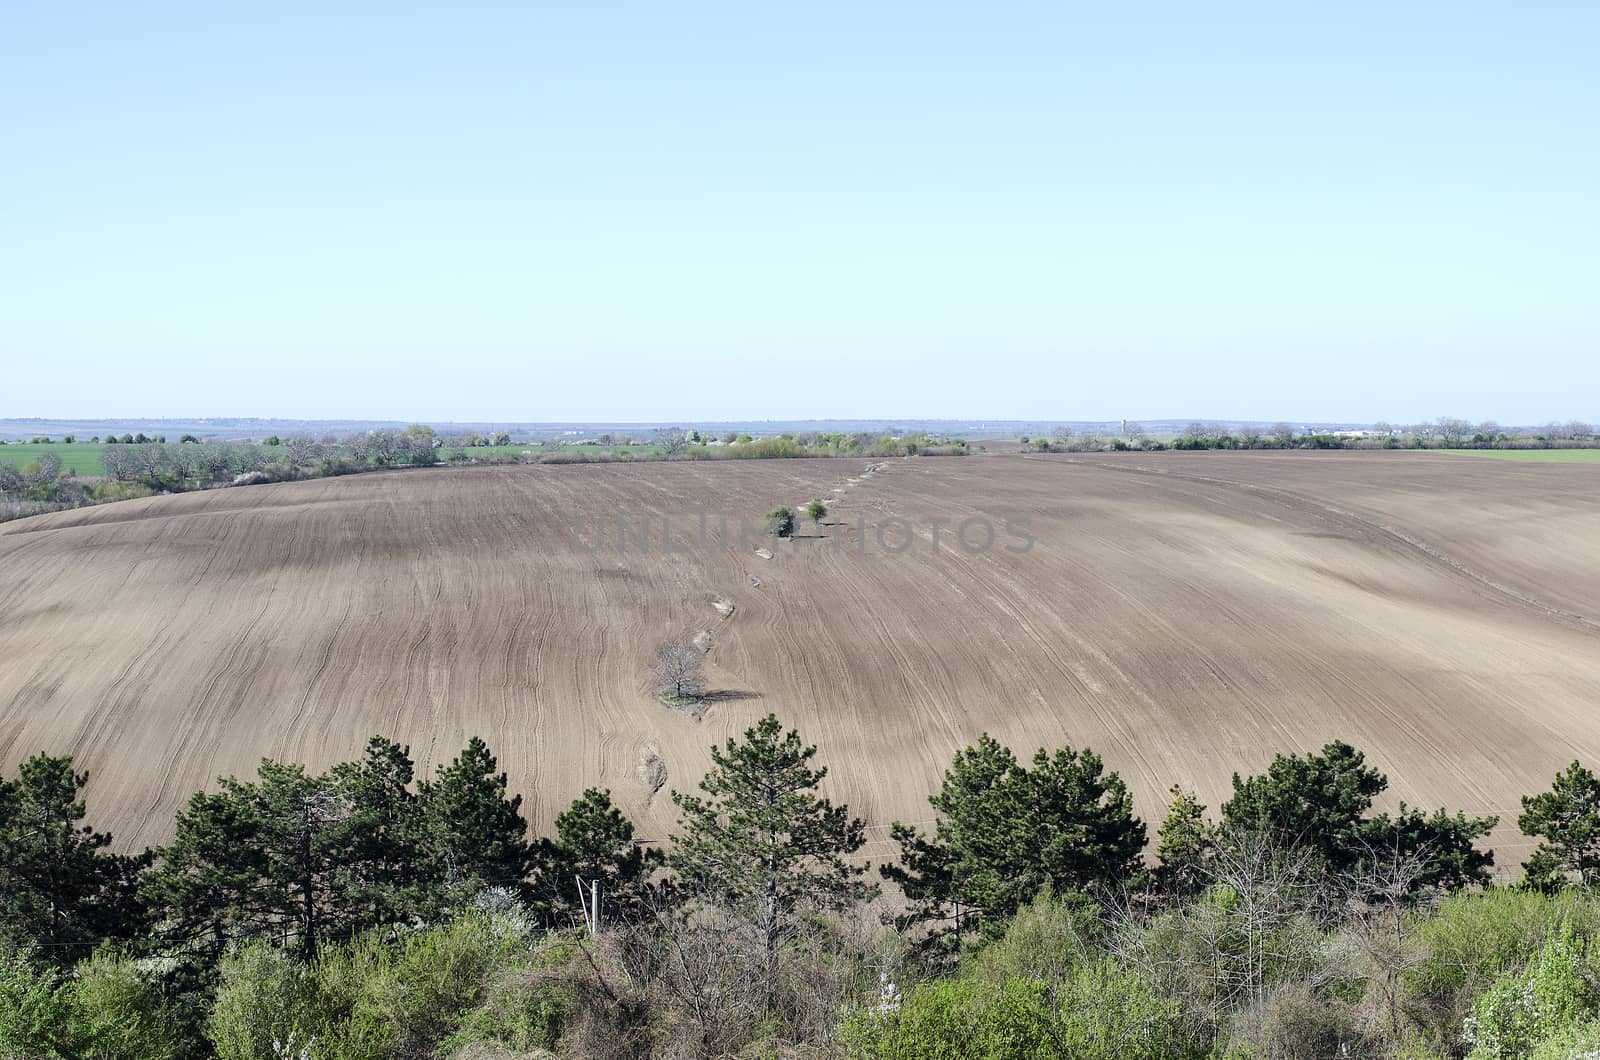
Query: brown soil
point(1186, 615)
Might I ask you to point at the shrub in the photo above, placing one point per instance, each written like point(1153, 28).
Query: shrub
point(780, 522)
point(36, 1009)
point(1579, 1041)
point(1523, 1009)
point(1099, 1013)
point(262, 995)
point(1474, 938)
point(1298, 1023)
point(373, 999)
point(122, 1012)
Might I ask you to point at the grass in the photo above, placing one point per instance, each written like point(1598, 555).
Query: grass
point(82, 458)
point(1537, 456)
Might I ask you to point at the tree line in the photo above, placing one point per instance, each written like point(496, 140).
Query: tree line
point(293, 875)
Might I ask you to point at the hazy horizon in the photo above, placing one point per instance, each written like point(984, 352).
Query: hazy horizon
point(530, 214)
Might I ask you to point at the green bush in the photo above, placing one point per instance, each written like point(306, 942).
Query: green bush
point(122, 1014)
point(1473, 938)
point(1523, 1009)
point(780, 522)
point(376, 999)
point(1100, 1012)
point(1048, 939)
point(263, 996)
point(1578, 1041)
point(37, 1014)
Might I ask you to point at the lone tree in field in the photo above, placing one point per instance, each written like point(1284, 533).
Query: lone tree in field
point(780, 522)
point(679, 670)
point(816, 511)
point(761, 842)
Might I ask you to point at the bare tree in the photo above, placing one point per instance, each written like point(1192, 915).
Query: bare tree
point(678, 671)
point(1452, 430)
point(673, 439)
point(1283, 433)
point(302, 449)
point(1378, 913)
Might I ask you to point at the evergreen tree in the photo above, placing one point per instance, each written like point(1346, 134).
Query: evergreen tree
point(1445, 843)
point(206, 886)
point(257, 858)
point(1083, 824)
point(378, 882)
point(951, 877)
point(59, 888)
point(1316, 801)
point(1185, 846)
point(303, 831)
point(594, 842)
point(1319, 801)
point(761, 841)
point(1567, 821)
point(474, 834)
point(1006, 832)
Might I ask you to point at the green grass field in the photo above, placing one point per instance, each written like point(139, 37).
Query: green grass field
point(1536, 456)
point(80, 457)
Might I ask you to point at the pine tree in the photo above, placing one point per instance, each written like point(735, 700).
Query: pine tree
point(207, 884)
point(59, 888)
point(1316, 801)
point(761, 841)
point(1567, 820)
point(1319, 801)
point(474, 834)
point(378, 882)
point(1006, 832)
point(594, 842)
point(258, 858)
point(1084, 830)
point(1185, 846)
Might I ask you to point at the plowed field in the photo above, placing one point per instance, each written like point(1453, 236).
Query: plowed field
point(1186, 615)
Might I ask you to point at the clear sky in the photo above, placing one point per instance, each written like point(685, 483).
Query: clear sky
point(679, 211)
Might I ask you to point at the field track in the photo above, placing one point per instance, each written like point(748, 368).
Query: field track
point(1185, 614)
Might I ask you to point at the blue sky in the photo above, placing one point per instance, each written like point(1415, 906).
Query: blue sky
point(694, 211)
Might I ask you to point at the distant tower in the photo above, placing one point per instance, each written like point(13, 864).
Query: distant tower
point(1124, 428)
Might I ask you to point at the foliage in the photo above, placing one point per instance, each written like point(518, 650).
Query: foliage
point(1185, 846)
point(475, 834)
point(59, 887)
point(1567, 818)
point(761, 841)
point(594, 842)
point(37, 1011)
point(1006, 832)
point(1473, 938)
point(1318, 801)
point(1098, 1012)
point(122, 1012)
point(1521, 1009)
point(262, 997)
point(780, 522)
